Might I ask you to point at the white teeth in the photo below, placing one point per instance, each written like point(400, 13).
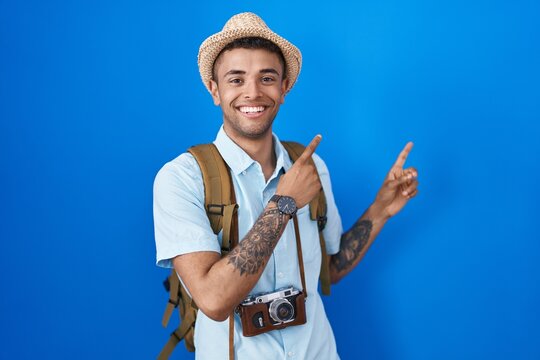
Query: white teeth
point(251, 109)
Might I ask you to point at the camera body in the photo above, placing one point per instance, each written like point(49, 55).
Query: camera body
point(271, 311)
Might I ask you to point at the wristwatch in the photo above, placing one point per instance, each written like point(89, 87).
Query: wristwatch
point(285, 204)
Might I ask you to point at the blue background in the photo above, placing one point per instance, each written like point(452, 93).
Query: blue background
point(95, 96)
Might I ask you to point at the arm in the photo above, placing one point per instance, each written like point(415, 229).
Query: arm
point(398, 188)
point(219, 284)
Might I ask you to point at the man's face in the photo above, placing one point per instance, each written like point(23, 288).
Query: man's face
point(249, 89)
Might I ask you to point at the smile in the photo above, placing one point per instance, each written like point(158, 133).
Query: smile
point(251, 109)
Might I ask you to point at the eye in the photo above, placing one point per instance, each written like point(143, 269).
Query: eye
point(267, 79)
point(235, 81)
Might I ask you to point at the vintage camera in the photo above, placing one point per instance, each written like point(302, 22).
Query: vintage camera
point(270, 311)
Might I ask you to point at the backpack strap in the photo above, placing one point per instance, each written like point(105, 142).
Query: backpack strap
point(318, 209)
point(219, 198)
point(172, 286)
point(221, 209)
point(220, 204)
point(188, 313)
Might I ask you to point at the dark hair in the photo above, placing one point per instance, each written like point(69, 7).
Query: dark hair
point(252, 43)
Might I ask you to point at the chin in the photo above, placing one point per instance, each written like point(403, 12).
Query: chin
point(251, 131)
point(256, 134)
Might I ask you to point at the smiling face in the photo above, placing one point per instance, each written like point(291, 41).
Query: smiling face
point(249, 87)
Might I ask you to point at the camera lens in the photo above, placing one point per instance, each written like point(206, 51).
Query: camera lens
point(281, 310)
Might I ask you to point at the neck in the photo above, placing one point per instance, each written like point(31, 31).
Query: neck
point(260, 149)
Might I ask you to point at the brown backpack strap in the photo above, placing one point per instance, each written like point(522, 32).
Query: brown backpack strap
point(318, 209)
point(218, 187)
point(220, 203)
point(188, 313)
point(222, 211)
point(172, 284)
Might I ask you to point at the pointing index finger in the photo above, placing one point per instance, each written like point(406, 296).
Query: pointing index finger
point(403, 155)
point(310, 149)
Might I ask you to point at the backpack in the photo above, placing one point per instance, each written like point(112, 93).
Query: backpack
point(221, 209)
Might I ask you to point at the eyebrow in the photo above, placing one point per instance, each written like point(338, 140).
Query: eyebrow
point(234, 72)
point(269, 70)
point(242, 72)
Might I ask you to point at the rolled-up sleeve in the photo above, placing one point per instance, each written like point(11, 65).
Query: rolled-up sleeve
point(333, 230)
point(180, 222)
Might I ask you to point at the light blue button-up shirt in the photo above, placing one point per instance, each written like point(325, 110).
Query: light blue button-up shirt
point(182, 226)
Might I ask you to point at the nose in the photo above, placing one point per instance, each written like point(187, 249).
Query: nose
point(252, 89)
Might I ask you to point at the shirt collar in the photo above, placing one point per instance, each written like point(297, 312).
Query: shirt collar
point(238, 160)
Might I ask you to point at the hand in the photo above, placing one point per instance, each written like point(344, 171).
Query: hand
point(301, 182)
point(399, 186)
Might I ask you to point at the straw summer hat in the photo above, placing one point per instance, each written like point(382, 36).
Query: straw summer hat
point(240, 26)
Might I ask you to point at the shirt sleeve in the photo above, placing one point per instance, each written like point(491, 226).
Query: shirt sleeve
point(334, 229)
point(180, 222)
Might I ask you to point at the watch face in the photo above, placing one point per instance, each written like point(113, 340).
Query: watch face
point(287, 205)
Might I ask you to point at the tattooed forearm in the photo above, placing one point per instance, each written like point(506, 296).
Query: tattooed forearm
point(255, 249)
point(352, 244)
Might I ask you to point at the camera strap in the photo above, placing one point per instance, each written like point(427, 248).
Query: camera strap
point(234, 242)
point(299, 251)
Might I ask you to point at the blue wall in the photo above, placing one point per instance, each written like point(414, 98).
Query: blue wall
point(95, 96)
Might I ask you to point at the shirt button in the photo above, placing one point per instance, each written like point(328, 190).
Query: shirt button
point(244, 172)
point(290, 353)
point(280, 275)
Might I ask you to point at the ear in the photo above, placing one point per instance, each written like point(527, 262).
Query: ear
point(284, 86)
point(213, 86)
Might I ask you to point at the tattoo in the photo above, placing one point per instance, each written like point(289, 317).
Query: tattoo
point(352, 244)
point(255, 249)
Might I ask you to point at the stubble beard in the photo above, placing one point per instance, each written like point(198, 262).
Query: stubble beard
point(254, 129)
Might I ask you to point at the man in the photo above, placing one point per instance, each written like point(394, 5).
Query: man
point(248, 70)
